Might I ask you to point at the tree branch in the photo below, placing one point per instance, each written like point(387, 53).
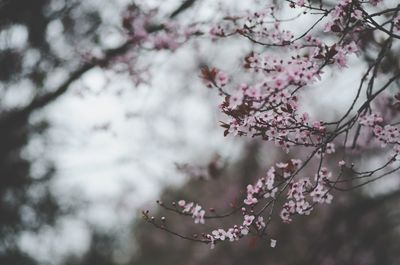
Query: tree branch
point(42, 100)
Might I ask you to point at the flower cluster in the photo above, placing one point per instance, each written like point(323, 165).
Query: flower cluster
point(370, 119)
point(345, 14)
point(142, 30)
point(299, 191)
point(264, 188)
point(238, 231)
point(385, 134)
point(194, 209)
point(268, 106)
point(301, 197)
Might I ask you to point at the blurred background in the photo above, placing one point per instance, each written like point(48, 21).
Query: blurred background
point(85, 147)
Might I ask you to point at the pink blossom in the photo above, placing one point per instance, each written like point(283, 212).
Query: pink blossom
point(260, 224)
point(250, 200)
point(165, 41)
point(221, 79)
point(248, 220)
point(236, 100)
point(357, 14)
point(244, 230)
point(198, 214)
point(196, 211)
point(188, 207)
point(181, 203)
point(351, 47)
point(340, 59)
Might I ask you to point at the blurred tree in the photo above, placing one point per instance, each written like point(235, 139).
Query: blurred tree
point(45, 46)
point(29, 58)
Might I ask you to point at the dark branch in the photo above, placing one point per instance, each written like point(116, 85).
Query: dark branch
point(42, 100)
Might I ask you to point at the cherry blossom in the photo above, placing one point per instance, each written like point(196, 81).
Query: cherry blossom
point(219, 234)
point(196, 211)
point(268, 106)
point(248, 220)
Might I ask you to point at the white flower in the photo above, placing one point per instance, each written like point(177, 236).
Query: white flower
point(219, 234)
point(181, 203)
point(273, 243)
point(230, 234)
point(188, 207)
